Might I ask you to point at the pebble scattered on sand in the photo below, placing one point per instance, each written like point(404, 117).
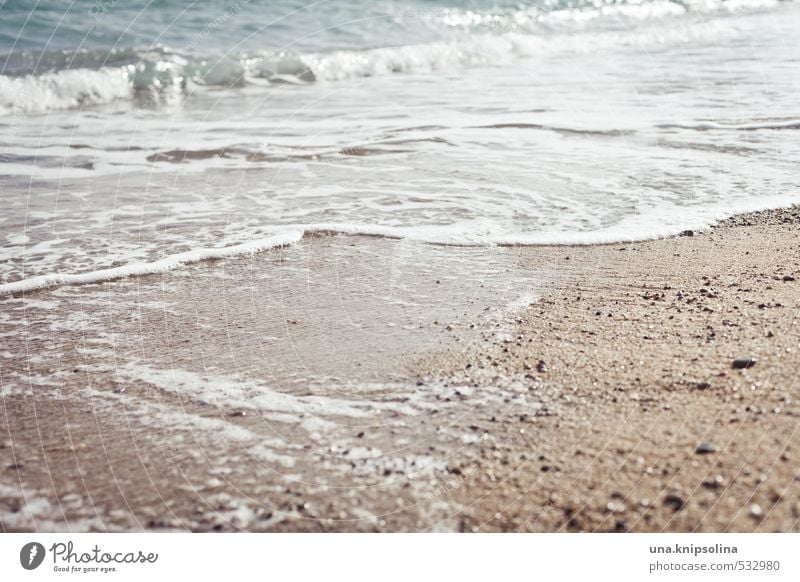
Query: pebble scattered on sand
point(742, 363)
point(705, 448)
point(674, 501)
point(615, 507)
point(714, 483)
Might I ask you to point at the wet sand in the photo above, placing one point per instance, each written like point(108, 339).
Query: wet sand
point(392, 391)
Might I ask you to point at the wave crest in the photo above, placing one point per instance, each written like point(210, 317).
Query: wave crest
point(474, 39)
point(63, 90)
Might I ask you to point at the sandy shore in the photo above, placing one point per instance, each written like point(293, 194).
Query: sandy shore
point(393, 394)
point(644, 425)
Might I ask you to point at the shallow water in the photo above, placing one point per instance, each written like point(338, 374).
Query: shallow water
point(132, 137)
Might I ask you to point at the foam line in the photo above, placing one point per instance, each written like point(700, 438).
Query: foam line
point(160, 266)
point(633, 228)
point(710, 125)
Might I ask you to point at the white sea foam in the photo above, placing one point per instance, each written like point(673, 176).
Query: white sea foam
point(63, 90)
point(195, 428)
point(652, 223)
point(748, 126)
point(635, 227)
point(511, 46)
point(159, 266)
point(37, 513)
point(314, 413)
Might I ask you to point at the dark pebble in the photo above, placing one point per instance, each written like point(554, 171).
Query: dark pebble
point(687, 233)
point(715, 483)
point(703, 385)
point(788, 278)
point(705, 449)
point(676, 502)
point(742, 363)
point(541, 366)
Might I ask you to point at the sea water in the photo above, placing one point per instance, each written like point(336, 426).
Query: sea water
point(139, 136)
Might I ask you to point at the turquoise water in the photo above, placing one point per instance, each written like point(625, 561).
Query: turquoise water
point(252, 25)
point(136, 132)
point(239, 41)
point(221, 24)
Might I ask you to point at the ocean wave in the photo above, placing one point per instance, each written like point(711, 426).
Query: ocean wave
point(166, 77)
point(491, 38)
point(63, 90)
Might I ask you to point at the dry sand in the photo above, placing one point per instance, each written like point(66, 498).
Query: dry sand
point(653, 430)
point(215, 399)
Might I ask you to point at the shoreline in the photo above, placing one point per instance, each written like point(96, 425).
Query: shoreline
point(290, 234)
point(556, 419)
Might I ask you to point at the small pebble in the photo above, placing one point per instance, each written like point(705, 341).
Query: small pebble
point(705, 449)
point(756, 511)
point(674, 501)
point(742, 363)
point(715, 483)
point(788, 278)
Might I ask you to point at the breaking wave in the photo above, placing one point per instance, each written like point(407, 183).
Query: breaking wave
point(52, 80)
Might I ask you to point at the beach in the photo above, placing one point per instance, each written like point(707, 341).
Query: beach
point(410, 266)
point(416, 395)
